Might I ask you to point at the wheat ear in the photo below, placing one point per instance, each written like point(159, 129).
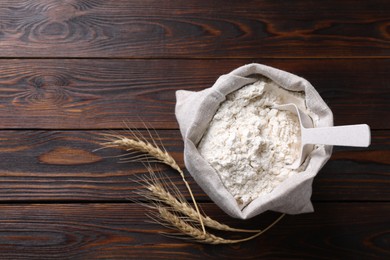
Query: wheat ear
point(158, 191)
point(171, 220)
point(149, 152)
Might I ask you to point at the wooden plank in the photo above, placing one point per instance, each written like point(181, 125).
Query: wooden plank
point(356, 173)
point(108, 231)
point(95, 94)
point(61, 165)
point(51, 165)
point(149, 29)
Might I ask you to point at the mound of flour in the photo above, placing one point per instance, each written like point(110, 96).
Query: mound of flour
point(249, 144)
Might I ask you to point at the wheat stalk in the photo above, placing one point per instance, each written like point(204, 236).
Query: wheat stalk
point(149, 152)
point(173, 221)
point(169, 219)
point(155, 190)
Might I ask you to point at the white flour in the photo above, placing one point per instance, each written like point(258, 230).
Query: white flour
point(249, 143)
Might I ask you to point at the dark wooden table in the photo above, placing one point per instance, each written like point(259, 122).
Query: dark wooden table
point(72, 69)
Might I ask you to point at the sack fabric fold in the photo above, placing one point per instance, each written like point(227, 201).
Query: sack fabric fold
point(195, 110)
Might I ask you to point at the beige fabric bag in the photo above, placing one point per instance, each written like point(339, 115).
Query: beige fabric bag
point(195, 110)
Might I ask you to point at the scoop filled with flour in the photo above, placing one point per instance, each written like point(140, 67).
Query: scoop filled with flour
point(250, 144)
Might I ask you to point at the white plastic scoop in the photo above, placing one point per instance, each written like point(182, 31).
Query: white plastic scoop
point(348, 135)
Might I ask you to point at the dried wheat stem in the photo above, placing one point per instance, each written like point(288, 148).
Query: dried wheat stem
point(203, 237)
point(163, 156)
point(172, 220)
point(157, 192)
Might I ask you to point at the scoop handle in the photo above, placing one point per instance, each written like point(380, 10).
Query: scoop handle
point(347, 135)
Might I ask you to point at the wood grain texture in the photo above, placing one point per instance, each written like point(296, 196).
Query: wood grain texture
point(61, 165)
point(118, 231)
point(55, 165)
point(150, 29)
point(352, 173)
point(95, 94)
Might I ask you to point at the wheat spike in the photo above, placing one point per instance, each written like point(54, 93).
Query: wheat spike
point(171, 220)
point(140, 144)
point(157, 191)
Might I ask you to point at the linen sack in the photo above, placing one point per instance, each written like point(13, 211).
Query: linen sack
point(195, 110)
